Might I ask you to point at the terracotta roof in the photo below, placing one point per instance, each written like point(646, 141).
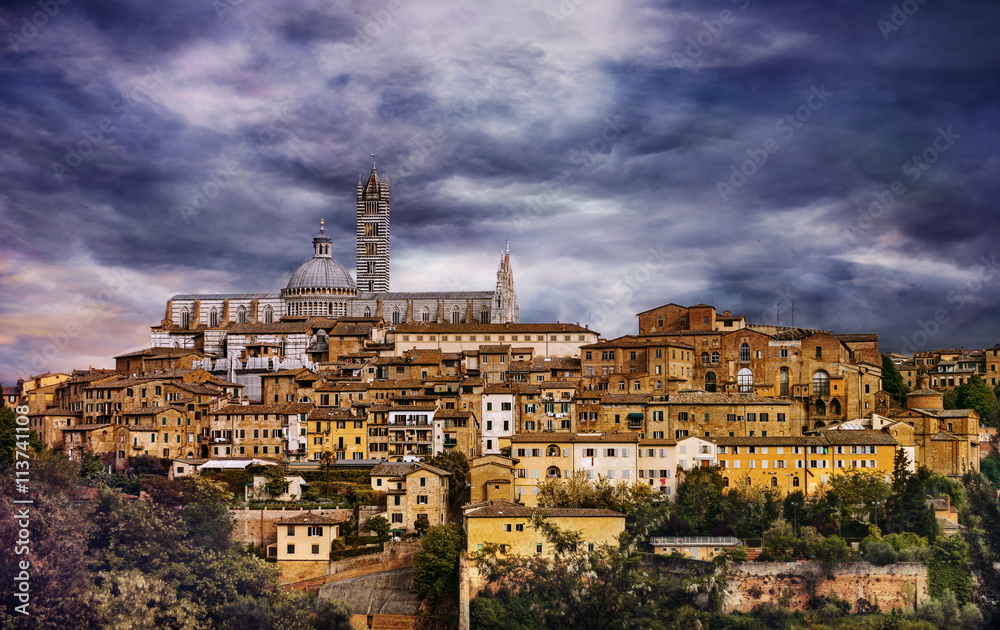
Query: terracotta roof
point(658, 442)
point(768, 441)
point(56, 411)
point(494, 349)
point(856, 336)
point(309, 519)
point(722, 398)
point(149, 411)
point(624, 399)
point(402, 469)
point(501, 509)
point(332, 413)
point(452, 413)
point(473, 327)
point(565, 436)
point(161, 352)
point(242, 410)
point(858, 436)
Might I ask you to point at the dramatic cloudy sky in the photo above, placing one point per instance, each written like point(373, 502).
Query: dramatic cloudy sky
point(155, 148)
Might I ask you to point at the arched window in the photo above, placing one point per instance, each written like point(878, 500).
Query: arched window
point(715, 358)
point(745, 353)
point(552, 473)
point(820, 407)
point(213, 318)
point(395, 314)
point(725, 482)
point(774, 482)
point(795, 482)
point(456, 315)
point(783, 382)
point(704, 358)
point(425, 314)
point(834, 407)
point(552, 451)
point(241, 315)
point(744, 380)
point(484, 315)
point(268, 315)
point(185, 318)
point(709, 381)
point(368, 311)
point(821, 383)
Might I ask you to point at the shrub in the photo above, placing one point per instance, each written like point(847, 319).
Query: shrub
point(881, 553)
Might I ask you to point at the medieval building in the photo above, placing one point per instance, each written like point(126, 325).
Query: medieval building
point(322, 287)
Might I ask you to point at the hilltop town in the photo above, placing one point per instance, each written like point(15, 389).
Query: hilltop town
point(443, 407)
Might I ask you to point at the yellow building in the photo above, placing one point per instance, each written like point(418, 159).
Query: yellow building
point(305, 537)
point(412, 489)
point(803, 463)
point(336, 430)
point(509, 525)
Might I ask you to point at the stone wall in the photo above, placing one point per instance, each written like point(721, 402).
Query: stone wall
point(898, 585)
point(260, 526)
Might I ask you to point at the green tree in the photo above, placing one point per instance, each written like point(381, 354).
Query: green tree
point(700, 501)
point(379, 525)
point(276, 484)
point(977, 394)
point(892, 382)
point(861, 491)
point(455, 462)
point(421, 524)
point(435, 564)
point(11, 439)
point(147, 465)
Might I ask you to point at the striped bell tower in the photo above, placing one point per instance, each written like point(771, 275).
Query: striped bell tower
point(373, 233)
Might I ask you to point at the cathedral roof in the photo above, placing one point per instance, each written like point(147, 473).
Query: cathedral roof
point(321, 273)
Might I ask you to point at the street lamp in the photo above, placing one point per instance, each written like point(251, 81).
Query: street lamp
point(795, 512)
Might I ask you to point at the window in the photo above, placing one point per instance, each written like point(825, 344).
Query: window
point(291, 549)
point(421, 499)
point(821, 383)
point(784, 353)
point(745, 353)
point(744, 379)
point(519, 527)
point(819, 352)
point(314, 530)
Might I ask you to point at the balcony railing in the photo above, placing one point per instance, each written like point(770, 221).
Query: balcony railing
point(694, 540)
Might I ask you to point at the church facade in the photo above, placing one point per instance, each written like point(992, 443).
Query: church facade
point(322, 288)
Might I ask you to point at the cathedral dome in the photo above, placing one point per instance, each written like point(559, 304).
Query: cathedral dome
point(321, 273)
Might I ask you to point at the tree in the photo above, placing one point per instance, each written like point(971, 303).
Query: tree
point(379, 525)
point(421, 524)
point(700, 499)
point(455, 462)
point(861, 491)
point(435, 564)
point(147, 465)
point(981, 514)
point(276, 484)
point(892, 382)
point(977, 394)
point(11, 439)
